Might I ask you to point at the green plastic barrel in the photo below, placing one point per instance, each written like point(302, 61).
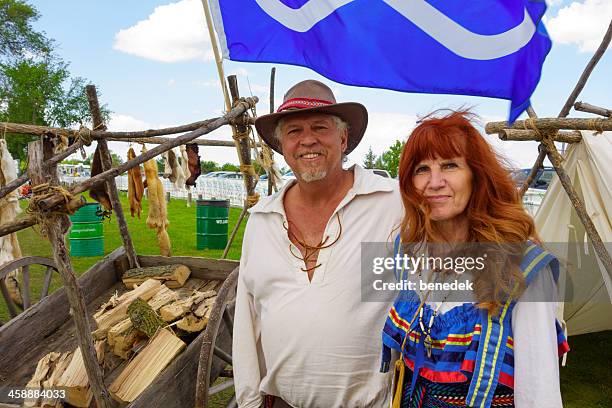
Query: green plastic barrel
point(211, 224)
point(86, 234)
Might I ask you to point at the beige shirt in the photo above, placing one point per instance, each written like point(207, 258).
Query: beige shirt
point(313, 343)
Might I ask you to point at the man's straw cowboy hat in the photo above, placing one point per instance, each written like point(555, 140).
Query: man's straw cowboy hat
point(312, 96)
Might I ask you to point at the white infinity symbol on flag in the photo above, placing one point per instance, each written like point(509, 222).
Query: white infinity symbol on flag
point(436, 24)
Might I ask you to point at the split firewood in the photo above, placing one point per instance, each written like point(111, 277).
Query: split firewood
point(110, 317)
point(173, 276)
point(143, 369)
point(197, 319)
point(51, 384)
point(43, 371)
point(175, 310)
point(74, 379)
point(144, 318)
point(122, 336)
point(135, 186)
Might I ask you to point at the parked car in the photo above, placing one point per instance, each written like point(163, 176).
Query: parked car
point(232, 175)
point(540, 182)
point(215, 174)
point(381, 172)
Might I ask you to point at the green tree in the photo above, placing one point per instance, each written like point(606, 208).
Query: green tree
point(116, 159)
point(17, 36)
point(369, 160)
point(389, 160)
point(208, 166)
point(230, 167)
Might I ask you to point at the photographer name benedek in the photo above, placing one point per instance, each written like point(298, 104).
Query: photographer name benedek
point(422, 285)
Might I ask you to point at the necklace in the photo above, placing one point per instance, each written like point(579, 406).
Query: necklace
point(310, 250)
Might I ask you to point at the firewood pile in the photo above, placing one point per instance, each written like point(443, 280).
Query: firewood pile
point(138, 334)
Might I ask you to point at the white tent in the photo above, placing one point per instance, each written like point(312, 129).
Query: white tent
point(588, 286)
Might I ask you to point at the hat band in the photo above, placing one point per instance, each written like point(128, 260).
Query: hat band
point(302, 103)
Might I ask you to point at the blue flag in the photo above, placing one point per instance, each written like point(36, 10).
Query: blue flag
point(492, 48)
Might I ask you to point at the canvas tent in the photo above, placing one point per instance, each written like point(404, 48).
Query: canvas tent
point(586, 284)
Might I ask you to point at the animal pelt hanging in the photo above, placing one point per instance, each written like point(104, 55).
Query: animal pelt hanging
point(170, 165)
point(135, 186)
point(9, 208)
point(99, 191)
point(195, 168)
point(184, 174)
point(158, 214)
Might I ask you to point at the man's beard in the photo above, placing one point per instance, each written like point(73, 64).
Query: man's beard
point(313, 175)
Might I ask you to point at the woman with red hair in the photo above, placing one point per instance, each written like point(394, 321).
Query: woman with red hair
point(486, 346)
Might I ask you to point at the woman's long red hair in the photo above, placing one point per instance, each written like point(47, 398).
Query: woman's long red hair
point(494, 211)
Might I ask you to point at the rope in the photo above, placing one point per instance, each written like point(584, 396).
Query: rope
point(252, 200)
point(596, 125)
point(248, 169)
point(84, 135)
point(44, 217)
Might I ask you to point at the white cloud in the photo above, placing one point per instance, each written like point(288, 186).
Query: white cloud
point(210, 83)
point(171, 82)
point(582, 23)
point(172, 33)
point(384, 128)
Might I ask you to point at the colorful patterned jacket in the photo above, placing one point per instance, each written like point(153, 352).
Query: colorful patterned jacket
point(469, 344)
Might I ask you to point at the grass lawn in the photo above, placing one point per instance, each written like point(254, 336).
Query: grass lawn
point(586, 381)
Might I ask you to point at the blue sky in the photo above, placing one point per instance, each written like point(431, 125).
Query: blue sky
point(152, 63)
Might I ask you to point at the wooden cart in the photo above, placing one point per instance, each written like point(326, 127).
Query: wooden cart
point(47, 326)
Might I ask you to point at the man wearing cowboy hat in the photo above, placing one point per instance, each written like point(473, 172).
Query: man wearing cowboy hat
point(303, 337)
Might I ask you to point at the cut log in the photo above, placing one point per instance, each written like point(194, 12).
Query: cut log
point(74, 379)
point(143, 369)
point(144, 318)
point(111, 317)
point(173, 276)
point(197, 319)
point(121, 337)
point(175, 310)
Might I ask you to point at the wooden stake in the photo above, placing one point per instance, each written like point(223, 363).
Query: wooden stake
point(243, 213)
point(57, 226)
point(585, 107)
point(107, 164)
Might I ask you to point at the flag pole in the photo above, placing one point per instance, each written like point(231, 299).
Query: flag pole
point(218, 59)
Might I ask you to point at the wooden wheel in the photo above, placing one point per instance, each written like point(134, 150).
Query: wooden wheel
point(213, 359)
point(24, 264)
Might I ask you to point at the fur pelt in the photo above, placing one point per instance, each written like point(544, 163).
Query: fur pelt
point(158, 215)
point(9, 208)
point(195, 168)
point(99, 191)
point(135, 186)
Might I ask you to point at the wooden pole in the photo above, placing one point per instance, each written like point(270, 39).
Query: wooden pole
point(272, 81)
point(111, 186)
point(538, 163)
point(597, 124)
point(218, 59)
point(114, 172)
point(57, 226)
point(530, 135)
point(234, 231)
point(585, 107)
